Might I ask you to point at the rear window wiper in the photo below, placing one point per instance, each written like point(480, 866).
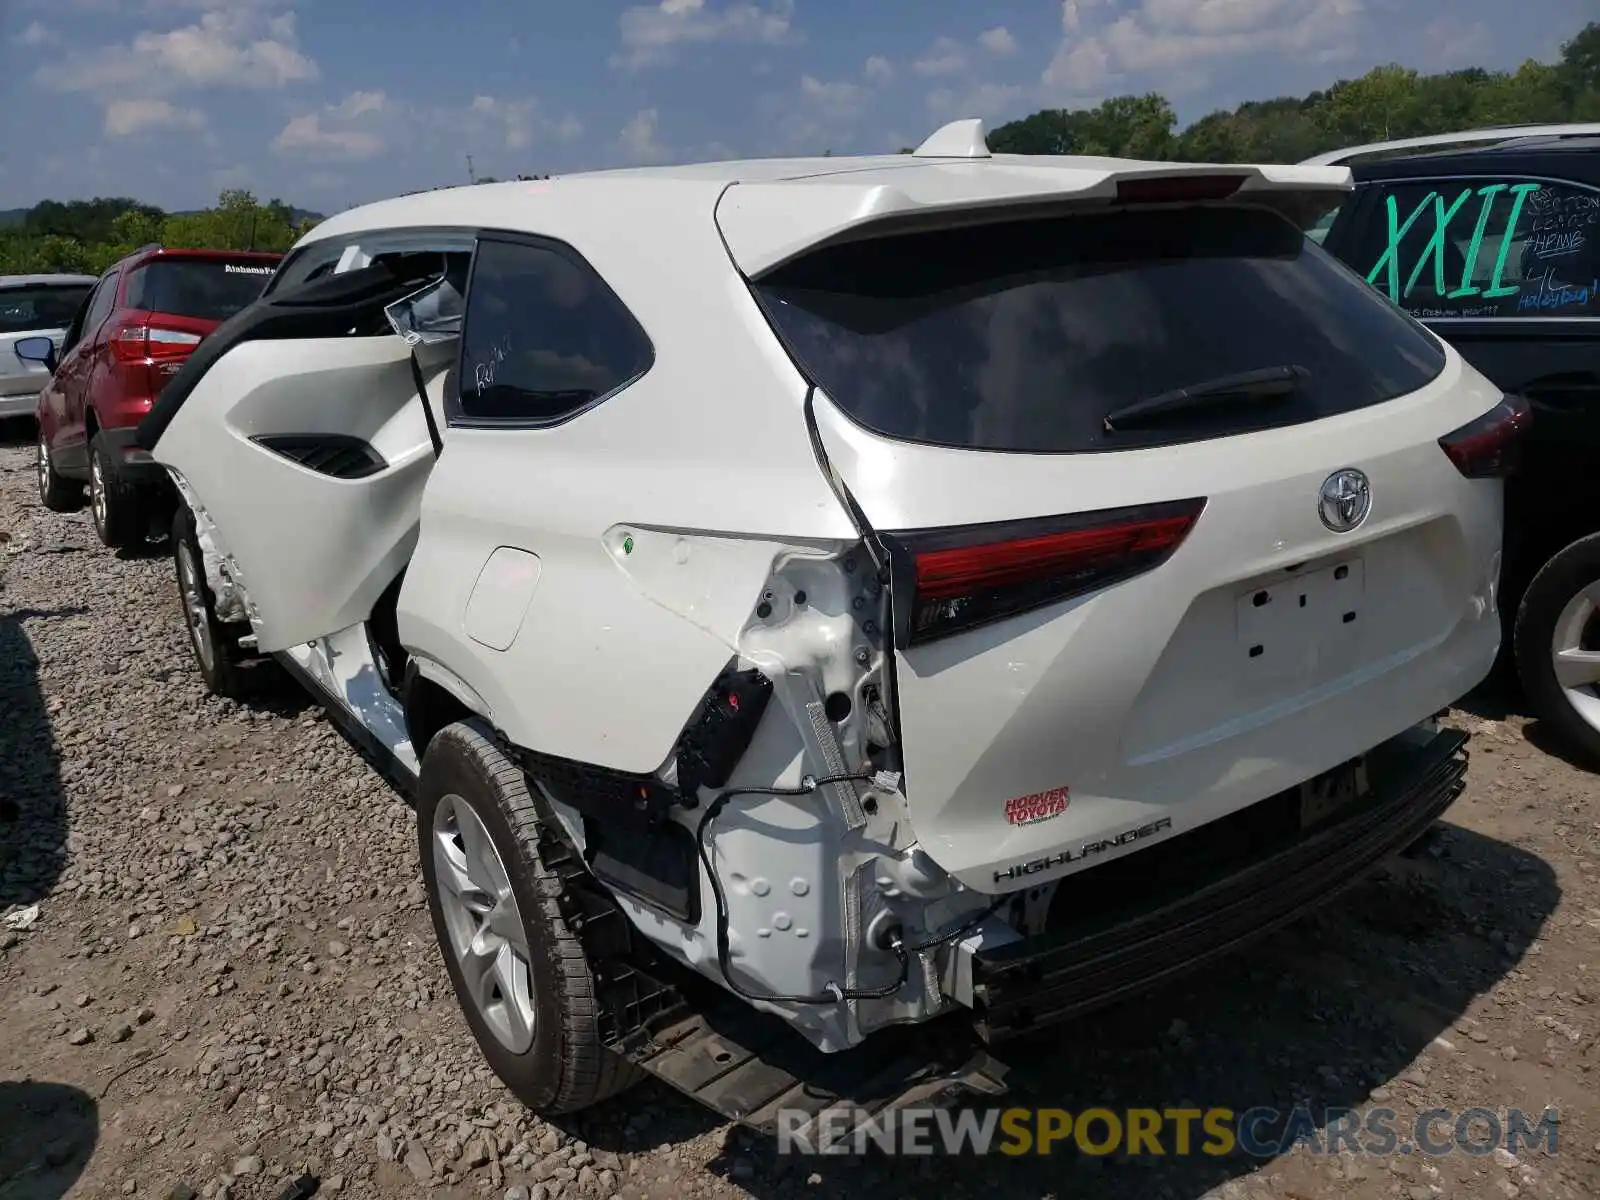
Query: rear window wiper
point(1266, 383)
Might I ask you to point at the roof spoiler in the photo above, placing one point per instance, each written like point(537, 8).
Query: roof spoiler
point(959, 181)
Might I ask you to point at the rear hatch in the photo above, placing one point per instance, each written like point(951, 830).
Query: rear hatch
point(172, 300)
point(34, 308)
point(1170, 508)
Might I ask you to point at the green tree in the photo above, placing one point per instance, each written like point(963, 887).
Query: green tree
point(54, 252)
point(1129, 126)
point(1048, 131)
point(1389, 101)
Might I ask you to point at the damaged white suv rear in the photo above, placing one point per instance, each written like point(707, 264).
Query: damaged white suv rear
point(833, 616)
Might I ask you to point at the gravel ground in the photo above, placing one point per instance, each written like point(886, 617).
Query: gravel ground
point(232, 978)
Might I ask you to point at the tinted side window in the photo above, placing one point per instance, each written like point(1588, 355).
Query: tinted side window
point(1485, 247)
point(105, 298)
point(39, 306)
point(92, 313)
point(544, 336)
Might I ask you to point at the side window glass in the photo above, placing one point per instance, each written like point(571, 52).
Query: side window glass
point(544, 336)
point(1483, 248)
point(100, 307)
point(1318, 229)
point(96, 302)
point(75, 329)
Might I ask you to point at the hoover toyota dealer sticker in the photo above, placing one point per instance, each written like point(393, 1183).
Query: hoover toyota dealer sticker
point(1039, 806)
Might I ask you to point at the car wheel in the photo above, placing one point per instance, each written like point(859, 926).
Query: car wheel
point(119, 517)
point(1558, 645)
point(56, 492)
point(519, 973)
point(216, 645)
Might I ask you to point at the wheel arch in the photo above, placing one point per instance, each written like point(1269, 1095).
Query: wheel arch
point(431, 706)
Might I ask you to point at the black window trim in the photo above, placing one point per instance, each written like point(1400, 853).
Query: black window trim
point(454, 417)
point(465, 234)
point(1367, 189)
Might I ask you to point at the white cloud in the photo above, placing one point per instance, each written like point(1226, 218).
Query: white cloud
point(991, 101)
point(998, 40)
point(637, 142)
point(838, 99)
point(359, 104)
point(824, 114)
point(652, 33)
point(1177, 39)
point(234, 47)
point(1451, 44)
point(34, 34)
point(522, 123)
point(307, 136)
point(945, 57)
point(127, 117)
point(366, 124)
point(1079, 68)
point(1073, 12)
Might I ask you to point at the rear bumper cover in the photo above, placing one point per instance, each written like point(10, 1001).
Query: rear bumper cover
point(1064, 973)
point(133, 463)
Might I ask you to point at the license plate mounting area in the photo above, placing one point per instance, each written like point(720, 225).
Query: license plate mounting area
point(1293, 625)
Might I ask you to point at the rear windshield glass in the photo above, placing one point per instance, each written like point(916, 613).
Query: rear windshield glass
point(1024, 336)
point(209, 288)
point(34, 307)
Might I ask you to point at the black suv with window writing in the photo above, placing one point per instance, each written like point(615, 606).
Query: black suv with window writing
point(1497, 250)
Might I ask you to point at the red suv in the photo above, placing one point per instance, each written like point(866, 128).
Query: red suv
point(143, 319)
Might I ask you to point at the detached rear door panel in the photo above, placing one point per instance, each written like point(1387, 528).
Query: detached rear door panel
point(310, 456)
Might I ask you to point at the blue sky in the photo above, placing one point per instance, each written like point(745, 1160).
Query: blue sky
point(326, 103)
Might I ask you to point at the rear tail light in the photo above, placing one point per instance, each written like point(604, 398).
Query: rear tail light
point(143, 343)
point(1491, 445)
point(149, 355)
point(946, 581)
point(1177, 189)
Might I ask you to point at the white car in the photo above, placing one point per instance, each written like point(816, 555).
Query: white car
point(33, 306)
point(835, 615)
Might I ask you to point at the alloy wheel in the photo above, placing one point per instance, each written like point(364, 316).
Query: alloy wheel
point(44, 465)
point(486, 932)
point(1575, 653)
point(190, 584)
point(97, 492)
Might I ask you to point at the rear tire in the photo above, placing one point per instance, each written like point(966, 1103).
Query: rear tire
point(1559, 618)
point(56, 491)
point(216, 648)
point(117, 508)
point(520, 974)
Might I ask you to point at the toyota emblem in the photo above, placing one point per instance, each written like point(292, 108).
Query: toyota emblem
point(1344, 500)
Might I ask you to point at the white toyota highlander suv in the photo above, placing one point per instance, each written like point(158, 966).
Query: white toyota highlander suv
point(832, 616)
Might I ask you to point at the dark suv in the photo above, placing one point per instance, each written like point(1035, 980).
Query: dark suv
point(1495, 246)
point(142, 321)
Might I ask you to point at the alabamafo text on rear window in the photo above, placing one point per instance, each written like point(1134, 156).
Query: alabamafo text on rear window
point(210, 289)
point(1111, 331)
